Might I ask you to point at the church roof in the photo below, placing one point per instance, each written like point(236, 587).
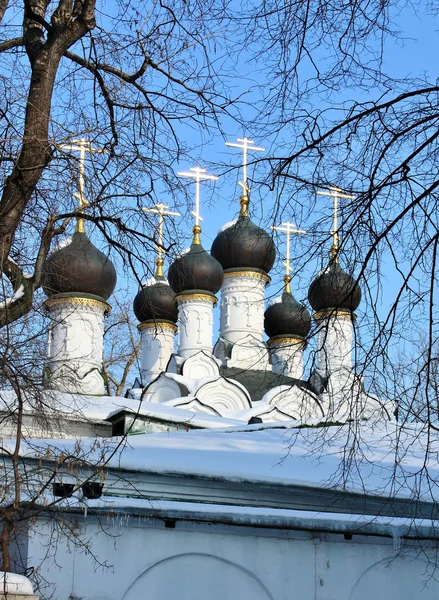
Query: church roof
point(79, 268)
point(277, 466)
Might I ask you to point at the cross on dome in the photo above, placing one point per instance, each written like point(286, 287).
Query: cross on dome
point(198, 174)
point(245, 144)
point(288, 228)
point(335, 193)
point(82, 146)
point(160, 209)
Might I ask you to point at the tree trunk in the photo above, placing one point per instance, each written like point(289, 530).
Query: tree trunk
point(35, 152)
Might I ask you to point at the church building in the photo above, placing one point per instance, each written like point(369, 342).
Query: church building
point(227, 472)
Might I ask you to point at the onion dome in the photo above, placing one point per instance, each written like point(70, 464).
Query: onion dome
point(79, 268)
point(333, 288)
point(286, 317)
point(155, 301)
point(196, 270)
point(244, 245)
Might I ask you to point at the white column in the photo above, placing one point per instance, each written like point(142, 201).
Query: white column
point(157, 347)
point(335, 335)
point(287, 356)
point(195, 323)
point(242, 305)
point(75, 346)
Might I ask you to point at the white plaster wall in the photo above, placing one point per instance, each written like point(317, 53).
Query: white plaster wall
point(157, 347)
point(211, 562)
point(335, 335)
point(242, 306)
point(287, 358)
point(75, 346)
point(195, 325)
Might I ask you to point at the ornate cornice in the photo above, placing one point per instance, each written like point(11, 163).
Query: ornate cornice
point(334, 312)
point(77, 301)
point(286, 341)
point(181, 298)
point(157, 325)
point(250, 274)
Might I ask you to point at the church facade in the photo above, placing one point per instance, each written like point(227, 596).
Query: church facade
point(226, 472)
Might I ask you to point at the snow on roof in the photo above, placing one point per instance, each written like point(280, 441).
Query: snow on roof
point(62, 243)
point(152, 281)
point(277, 300)
point(227, 225)
point(183, 252)
point(331, 521)
point(77, 406)
point(178, 415)
point(384, 459)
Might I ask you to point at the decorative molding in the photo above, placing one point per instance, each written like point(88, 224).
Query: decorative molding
point(158, 325)
point(272, 414)
point(286, 341)
point(334, 312)
point(249, 274)
point(77, 301)
point(192, 403)
point(249, 353)
point(200, 365)
point(182, 298)
point(224, 394)
point(161, 389)
point(294, 401)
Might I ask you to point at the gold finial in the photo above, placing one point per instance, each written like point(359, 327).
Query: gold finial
point(288, 228)
point(245, 144)
point(244, 201)
point(196, 230)
point(335, 193)
point(160, 210)
point(199, 175)
point(82, 146)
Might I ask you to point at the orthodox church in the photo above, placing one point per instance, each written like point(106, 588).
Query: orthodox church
point(226, 472)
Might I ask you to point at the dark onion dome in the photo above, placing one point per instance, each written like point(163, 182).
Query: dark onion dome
point(286, 317)
point(79, 268)
point(195, 270)
point(244, 245)
point(333, 288)
point(155, 301)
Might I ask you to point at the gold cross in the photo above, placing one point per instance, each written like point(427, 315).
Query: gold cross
point(198, 174)
point(245, 144)
point(82, 146)
point(335, 193)
point(288, 228)
point(160, 209)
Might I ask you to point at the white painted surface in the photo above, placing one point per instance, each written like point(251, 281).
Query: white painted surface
point(389, 458)
point(334, 340)
point(199, 366)
point(12, 583)
point(242, 307)
point(224, 394)
point(157, 348)
point(249, 354)
point(75, 346)
point(195, 324)
point(214, 562)
point(287, 358)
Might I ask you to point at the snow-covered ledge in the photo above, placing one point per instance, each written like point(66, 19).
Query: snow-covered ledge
point(75, 345)
point(15, 587)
